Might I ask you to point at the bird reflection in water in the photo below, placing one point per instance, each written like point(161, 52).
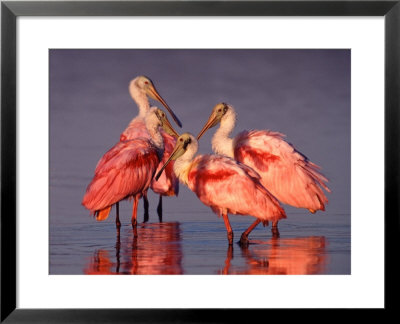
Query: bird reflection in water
point(292, 256)
point(152, 249)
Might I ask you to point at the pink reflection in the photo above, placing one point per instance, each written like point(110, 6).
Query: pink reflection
point(152, 249)
point(294, 256)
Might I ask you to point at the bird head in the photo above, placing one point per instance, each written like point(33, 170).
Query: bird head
point(182, 145)
point(145, 85)
point(156, 118)
point(217, 114)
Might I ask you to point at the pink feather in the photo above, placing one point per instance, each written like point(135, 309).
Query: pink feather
point(287, 173)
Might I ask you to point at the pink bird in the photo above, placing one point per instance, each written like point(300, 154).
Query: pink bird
point(127, 169)
point(140, 89)
point(284, 171)
point(223, 184)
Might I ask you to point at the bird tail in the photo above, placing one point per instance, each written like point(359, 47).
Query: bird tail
point(102, 214)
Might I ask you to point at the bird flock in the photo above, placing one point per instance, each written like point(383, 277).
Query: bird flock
point(250, 174)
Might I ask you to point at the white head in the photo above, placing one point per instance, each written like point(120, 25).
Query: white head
point(142, 87)
point(186, 147)
point(221, 113)
point(156, 118)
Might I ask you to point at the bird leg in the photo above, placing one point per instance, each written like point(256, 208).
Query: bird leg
point(134, 210)
point(117, 249)
point(274, 229)
point(146, 207)
point(134, 231)
point(159, 209)
point(117, 221)
point(228, 228)
point(244, 241)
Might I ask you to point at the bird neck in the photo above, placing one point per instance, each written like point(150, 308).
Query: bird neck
point(156, 138)
point(183, 164)
point(140, 98)
point(221, 141)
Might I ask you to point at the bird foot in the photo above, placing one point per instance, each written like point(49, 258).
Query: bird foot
point(275, 232)
point(244, 241)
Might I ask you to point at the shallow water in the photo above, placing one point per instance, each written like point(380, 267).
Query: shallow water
point(197, 244)
point(304, 94)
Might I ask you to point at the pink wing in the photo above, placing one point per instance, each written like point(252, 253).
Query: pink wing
point(229, 186)
point(168, 183)
point(284, 171)
point(127, 170)
point(136, 129)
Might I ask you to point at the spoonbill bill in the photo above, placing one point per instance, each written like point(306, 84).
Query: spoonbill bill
point(223, 184)
point(140, 89)
point(288, 174)
point(127, 169)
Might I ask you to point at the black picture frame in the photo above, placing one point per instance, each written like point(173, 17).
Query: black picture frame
point(10, 10)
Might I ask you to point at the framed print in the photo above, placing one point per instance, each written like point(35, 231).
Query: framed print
point(319, 82)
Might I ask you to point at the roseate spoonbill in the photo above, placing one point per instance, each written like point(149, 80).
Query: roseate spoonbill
point(127, 169)
point(223, 184)
point(140, 89)
point(284, 171)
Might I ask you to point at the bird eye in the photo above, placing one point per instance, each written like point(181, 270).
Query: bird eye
point(181, 139)
point(146, 82)
point(219, 110)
